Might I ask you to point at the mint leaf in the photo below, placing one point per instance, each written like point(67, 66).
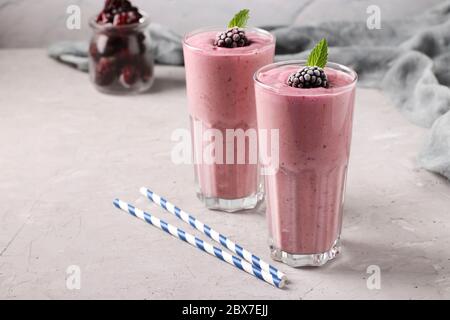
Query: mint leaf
point(240, 19)
point(319, 55)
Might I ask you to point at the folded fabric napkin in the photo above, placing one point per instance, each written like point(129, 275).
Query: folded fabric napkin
point(408, 59)
point(165, 45)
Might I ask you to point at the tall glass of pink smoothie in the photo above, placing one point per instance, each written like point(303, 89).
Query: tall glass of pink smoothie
point(305, 195)
point(221, 101)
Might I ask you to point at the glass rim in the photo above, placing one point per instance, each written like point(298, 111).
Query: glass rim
point(302, 62)
point(143, 22)
point(189, 34)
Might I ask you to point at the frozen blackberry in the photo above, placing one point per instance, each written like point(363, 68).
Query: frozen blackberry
point(234, 36)
point(308, 77)
point(231, 38)
point(117, 6)
point(129, 76)
point(105, 71)
point(118, 13)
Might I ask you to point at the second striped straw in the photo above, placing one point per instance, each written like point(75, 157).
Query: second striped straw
point(213, 234)
point(200, 244)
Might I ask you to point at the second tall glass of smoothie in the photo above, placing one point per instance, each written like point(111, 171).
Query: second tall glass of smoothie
point(221, 100)
point(305, 195)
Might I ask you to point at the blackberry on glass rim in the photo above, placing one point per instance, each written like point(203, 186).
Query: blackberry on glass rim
point(231, 38)
point(234, 36)
point(313, 74)
point(308, 77)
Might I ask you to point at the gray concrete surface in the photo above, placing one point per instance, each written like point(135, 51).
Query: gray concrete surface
point(66, 151)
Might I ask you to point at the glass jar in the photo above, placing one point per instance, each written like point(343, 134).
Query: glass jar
point(120, 60)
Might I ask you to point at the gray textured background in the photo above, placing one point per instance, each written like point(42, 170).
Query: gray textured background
point(27, 23)
point(67, 151)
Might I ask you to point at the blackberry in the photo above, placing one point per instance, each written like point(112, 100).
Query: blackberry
point(93, 51)
point(105, 71)
point(129, 76)
point(117, 5)
point(104, 18)
point(118, 13)
point(231, 38)
point(308, 77)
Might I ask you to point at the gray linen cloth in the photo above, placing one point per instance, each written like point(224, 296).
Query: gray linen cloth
point(165, 45)
point(408, 59)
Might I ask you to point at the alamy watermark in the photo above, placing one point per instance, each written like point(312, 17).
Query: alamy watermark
point(73, 277)
point(373, 282)
point(226, 146)
point(73, 21)
point(374, 19)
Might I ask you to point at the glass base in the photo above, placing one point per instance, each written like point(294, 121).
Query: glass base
point(122, 91)
point(231, 205)
point(304, 260)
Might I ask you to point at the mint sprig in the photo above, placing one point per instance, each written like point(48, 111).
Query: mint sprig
point(240, 19)
point(319, 55)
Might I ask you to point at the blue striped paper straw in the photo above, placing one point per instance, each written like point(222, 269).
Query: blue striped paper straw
point(199, 243)
point(213, 234)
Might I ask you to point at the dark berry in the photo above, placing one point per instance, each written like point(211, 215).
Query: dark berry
point(119, 13)
point(126, 6)
point(102, 18)
point(120, 19)
point(105, 71)
point(93, 51)
point(109, 17)
point(231, 38)
point(111, 5)
point(308, 77)
point(129, 75)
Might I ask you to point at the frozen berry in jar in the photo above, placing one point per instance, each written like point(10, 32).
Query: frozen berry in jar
point(120, 60)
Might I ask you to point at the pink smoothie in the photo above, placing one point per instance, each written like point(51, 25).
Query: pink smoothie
point(220, 94)
point(305, 196)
